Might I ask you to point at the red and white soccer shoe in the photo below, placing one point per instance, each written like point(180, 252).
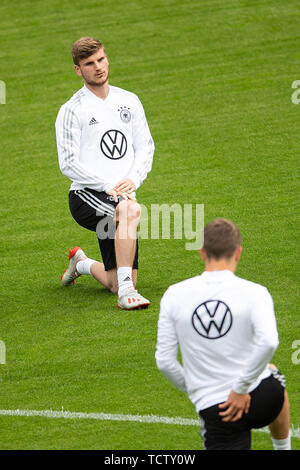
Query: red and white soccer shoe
point(76, 254)
point(132, 301)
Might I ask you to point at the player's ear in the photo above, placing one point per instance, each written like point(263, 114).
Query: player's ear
point(238, 253)
point(203, 254)
point(77, 70)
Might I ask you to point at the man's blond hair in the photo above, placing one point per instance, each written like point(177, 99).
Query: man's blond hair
point(84, 48)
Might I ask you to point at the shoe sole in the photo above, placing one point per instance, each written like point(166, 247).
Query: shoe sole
point(139, 307)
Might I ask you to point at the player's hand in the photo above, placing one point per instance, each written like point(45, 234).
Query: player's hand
point(235, 406)
point(114, 193)
point(126, 186)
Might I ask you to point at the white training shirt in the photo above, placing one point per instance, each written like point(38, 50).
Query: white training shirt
point(226, 330)
point(100, 142)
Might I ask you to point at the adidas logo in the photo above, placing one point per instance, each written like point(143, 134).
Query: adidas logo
point(93, 121)
point(127, 279)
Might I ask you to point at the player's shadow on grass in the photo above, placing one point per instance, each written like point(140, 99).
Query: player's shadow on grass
point(87, 290)
point(84, 288)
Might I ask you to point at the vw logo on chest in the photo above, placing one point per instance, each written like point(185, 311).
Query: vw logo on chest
point(113, 144)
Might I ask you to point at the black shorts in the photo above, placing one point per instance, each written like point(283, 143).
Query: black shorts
point(95, 211)
point(266, 403)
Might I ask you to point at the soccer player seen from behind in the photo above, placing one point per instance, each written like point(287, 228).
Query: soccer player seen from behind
point(105, 148)
point(226, 330)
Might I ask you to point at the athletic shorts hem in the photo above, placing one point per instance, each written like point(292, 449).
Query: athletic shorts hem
point(95, 211)
point(265, 405)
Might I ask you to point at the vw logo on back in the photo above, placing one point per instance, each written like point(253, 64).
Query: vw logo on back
point(113, 144)
point(212, 319)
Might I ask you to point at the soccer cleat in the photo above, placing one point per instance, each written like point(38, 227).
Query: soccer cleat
point(70, 274)
point(132, 301)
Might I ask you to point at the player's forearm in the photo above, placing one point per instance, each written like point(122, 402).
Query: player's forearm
point(77, 173)
point(264, 344)
point(166, 353)
point(256, 363)
point(172, 371)
point(143, 159)
point(167, 346)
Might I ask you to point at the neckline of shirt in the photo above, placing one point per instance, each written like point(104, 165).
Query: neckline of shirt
point(217, 274)
point(94, 96)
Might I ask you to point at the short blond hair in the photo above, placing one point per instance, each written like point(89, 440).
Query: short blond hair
point(84, 48)
point(221, 238)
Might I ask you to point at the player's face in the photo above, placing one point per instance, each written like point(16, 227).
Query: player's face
point(94, 69)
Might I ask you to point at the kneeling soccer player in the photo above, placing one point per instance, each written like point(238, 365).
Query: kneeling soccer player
point(105, 148)
point(226, 329)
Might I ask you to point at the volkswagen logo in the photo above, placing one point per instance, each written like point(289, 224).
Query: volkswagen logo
point(212, 319)
point(113, 144)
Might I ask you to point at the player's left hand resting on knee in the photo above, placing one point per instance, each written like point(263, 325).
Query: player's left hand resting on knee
point(126, 186)
point(235, 406)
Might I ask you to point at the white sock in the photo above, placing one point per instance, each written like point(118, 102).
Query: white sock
point(84, 266)
point(124, 280)
point(282, 444)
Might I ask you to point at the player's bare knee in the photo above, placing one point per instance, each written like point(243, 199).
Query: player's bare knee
point(134, 210)
point(128, 209)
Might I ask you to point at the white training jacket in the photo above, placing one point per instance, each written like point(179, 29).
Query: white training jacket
point(226, 329)
point(100, 142)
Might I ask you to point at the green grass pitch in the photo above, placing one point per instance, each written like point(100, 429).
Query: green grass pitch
point(215, 78)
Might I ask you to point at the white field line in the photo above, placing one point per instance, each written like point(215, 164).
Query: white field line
point(295, 432)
